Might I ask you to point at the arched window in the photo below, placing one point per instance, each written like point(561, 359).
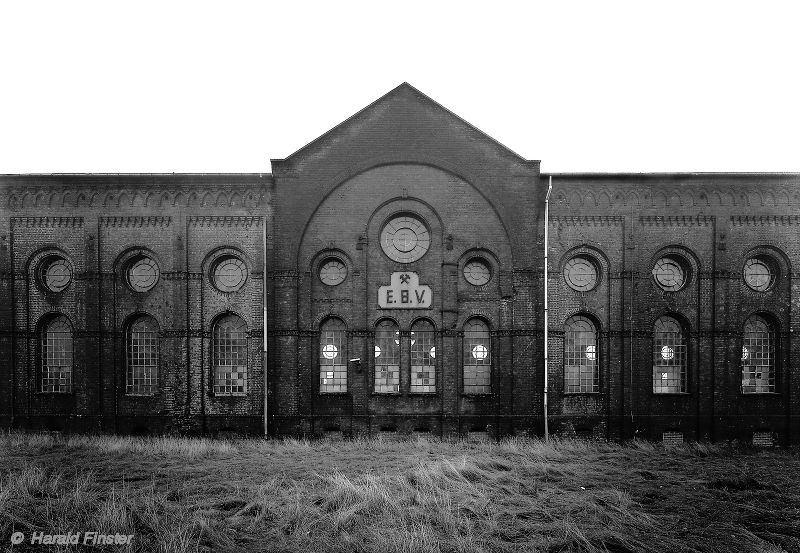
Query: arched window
point(230, 356)
point(57, 356)
point(669, 357)
point(387, 357)
point(332, 357)
point(758, 356)
point(477, 357)
point(423, 357)
point(581, 374)
point(142, 357)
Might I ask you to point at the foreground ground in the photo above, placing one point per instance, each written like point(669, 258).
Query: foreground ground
point(179, 495)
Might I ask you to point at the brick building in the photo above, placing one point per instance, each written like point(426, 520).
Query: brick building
point(401, 258)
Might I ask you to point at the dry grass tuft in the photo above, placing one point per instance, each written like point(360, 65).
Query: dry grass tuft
point(187, 495)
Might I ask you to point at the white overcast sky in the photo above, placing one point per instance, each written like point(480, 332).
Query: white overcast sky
point(225, 86)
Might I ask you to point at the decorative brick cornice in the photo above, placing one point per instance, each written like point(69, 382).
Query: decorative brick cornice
point(587, 220)
point(134, 221)
point(675, 221)
point(293, 332)
point(212, 221)
point(47, 222)
point(741, 220)
point(284, 275)
point(143, 192)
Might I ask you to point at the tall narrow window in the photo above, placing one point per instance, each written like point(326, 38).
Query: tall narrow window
point(669, 357)
point(758, 356)
point(142, 354)
point(581, 374)
point(387, 357)
point(423, 358)
point(332, 357)
point(57, 356)
point(230, 356)
point(477, 358)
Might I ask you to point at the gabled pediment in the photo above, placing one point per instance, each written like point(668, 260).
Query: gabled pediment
point(403, 125)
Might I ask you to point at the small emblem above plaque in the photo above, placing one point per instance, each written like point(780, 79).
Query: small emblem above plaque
point(405, 292)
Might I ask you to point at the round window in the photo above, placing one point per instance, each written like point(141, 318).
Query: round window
point(480, 352)
point(759, 273)
point(405, 238)
point(143, 274)
point(230, 274)
point(329, 351)
point(332, 272)
point(55, 274)
point(580, 273)
point(477, 272)
point(669, 273)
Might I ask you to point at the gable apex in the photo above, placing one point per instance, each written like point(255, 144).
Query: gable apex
point(411, 95)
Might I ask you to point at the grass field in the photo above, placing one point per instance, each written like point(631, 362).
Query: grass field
point(179, 495)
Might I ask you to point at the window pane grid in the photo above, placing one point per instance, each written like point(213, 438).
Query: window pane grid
point(423, 359)
point(333, 368)
point(230, 357)
point(57, 357)
point(669, 357)
point(387, 358)
point(142, 377)
point(758, 357)
point(477, 358)
point(580, 356)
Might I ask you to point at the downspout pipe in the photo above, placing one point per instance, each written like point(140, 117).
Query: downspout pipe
point(546, 277)
point(264, 301)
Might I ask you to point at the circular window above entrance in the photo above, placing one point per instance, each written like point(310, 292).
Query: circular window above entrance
point(142, 274)
point(405, 238)
point(759, 273)
point(55, 273)
point(670, 273)
point(477, 272)
point(332, 272)
point(580, 273)
point(230, 274)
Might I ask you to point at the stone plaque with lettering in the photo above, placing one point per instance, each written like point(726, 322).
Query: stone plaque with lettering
point(404, 292)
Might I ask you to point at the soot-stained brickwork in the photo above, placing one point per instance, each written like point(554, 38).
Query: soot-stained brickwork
point(136, 303)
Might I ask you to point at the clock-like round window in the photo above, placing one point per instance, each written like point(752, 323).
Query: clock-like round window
point(759, 273)
point(580, 273)
point(405, 238)
point(480, 352)
point(670, 274)
point(143, 274)
point(55, 273)
point(329, 351)
point(230, 274)
point(332, 272)
point(477, 272)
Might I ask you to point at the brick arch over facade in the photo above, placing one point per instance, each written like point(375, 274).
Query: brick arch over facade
point(441, 189)
point(350, 219)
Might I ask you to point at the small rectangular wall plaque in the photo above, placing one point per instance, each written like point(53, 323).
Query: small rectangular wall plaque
point(405, 292)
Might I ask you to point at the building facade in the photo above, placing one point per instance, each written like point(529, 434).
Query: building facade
point(389, 277)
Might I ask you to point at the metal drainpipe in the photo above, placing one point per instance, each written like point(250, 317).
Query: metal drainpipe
point(546, 336)
point(264, 352)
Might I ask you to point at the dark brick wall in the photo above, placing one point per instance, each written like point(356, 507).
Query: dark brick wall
point(98, 222)
point(405, 153)
point(716, 221)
